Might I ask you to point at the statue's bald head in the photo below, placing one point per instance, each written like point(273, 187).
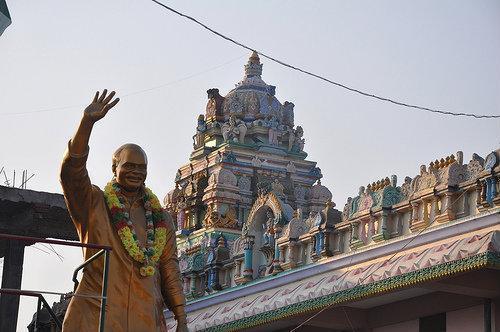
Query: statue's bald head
point(129, 165)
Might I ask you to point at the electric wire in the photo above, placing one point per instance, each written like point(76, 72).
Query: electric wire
point(388, 260)
point(136, 92)
point(341, 85)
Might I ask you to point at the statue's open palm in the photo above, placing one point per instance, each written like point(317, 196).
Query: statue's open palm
point(100, 106)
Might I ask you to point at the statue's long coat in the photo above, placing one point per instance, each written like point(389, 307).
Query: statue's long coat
point(134, 303)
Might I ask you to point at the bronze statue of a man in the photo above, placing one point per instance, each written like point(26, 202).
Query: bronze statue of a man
point(144, 271)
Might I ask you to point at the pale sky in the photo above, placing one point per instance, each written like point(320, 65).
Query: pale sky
point(440, 54)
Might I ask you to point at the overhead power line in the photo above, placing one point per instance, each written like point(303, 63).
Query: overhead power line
point(132, 93)
point(366, 94)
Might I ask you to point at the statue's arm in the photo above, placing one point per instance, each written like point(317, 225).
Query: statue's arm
point(74, 177)
point(170, 276)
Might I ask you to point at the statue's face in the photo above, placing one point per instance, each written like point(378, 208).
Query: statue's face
point(131, 171)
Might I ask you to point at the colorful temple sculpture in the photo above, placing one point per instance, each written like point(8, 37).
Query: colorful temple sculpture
point(262, 247)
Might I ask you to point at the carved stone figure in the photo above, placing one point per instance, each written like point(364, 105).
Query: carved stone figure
point(181, 213)
point(288, 116)
point(214, 104)
point(95, 214)
point(474, 167)
point(406, 187)
point(272, 123)
point(278, 188)
point(253, 104)
point(199, 138)
point(269, 230)
point(295, 141)
point(290, 168)
point(234, 130)
point(296, 226)
point(425, 180)
point(256, 161)
point(347, 209)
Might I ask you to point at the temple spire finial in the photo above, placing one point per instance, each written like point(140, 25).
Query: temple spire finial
point(253, 67)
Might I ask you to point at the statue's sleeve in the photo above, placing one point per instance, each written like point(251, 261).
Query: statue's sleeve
point(77, 188)
point(170, 274)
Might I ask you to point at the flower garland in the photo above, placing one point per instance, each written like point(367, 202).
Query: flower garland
point(156, 231)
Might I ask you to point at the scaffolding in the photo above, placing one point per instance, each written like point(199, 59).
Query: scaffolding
point(103, 251)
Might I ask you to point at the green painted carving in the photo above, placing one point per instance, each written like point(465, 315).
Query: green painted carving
point(197, 262)
point(391, 196)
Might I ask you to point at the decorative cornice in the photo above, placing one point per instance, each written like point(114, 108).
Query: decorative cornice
point(483, 260)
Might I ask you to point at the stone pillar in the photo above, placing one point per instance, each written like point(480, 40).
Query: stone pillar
point(313, 247)
point(248, 258)
point(447, 210)
point(381, 231)
point(491, 189)
point(414, 213)
point(326, 251)
point(479, 191)
point(282, 250)
point(11, 278)
point(276, 261)
point(435, 207)
point(193, 285)
point(356, 242)
point(336, 242)
point(405, 224)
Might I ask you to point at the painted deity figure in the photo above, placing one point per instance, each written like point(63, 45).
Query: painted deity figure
point(214, 104)
point(287, 111)
point(234, 130)
point(199, 138)
point(269, 230)
point(181, 213)
point(295, 140)
point(272, 123)
point(128, 217)
point(278, 188)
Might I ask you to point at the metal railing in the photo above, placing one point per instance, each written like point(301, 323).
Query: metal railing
point(103, 250)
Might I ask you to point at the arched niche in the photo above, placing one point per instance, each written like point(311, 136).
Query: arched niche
point(265, 207)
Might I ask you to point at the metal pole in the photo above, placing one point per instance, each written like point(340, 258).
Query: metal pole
point(51, 312)
point(38, 308)
point(104, 291)
point(81, 266)
point(487, 315)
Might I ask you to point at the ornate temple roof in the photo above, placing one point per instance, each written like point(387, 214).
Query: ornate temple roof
point(251, 99)
point(252, 96)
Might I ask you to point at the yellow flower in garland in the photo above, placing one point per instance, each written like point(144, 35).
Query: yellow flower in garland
point(156, 237)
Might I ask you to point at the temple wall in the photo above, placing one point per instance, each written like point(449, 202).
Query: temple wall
point(465, 320)
point(408, 326)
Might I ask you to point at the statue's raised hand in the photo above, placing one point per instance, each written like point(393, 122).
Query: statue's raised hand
point(100, 106)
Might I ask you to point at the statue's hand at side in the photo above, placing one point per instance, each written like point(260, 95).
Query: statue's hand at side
point(100, 106)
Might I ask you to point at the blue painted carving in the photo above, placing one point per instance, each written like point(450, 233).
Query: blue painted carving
point(229, 157)
point(491, 190)
point(320, 239)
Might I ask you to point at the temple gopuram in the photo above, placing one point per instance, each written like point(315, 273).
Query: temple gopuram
point(247, 178)
point(262, 247)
